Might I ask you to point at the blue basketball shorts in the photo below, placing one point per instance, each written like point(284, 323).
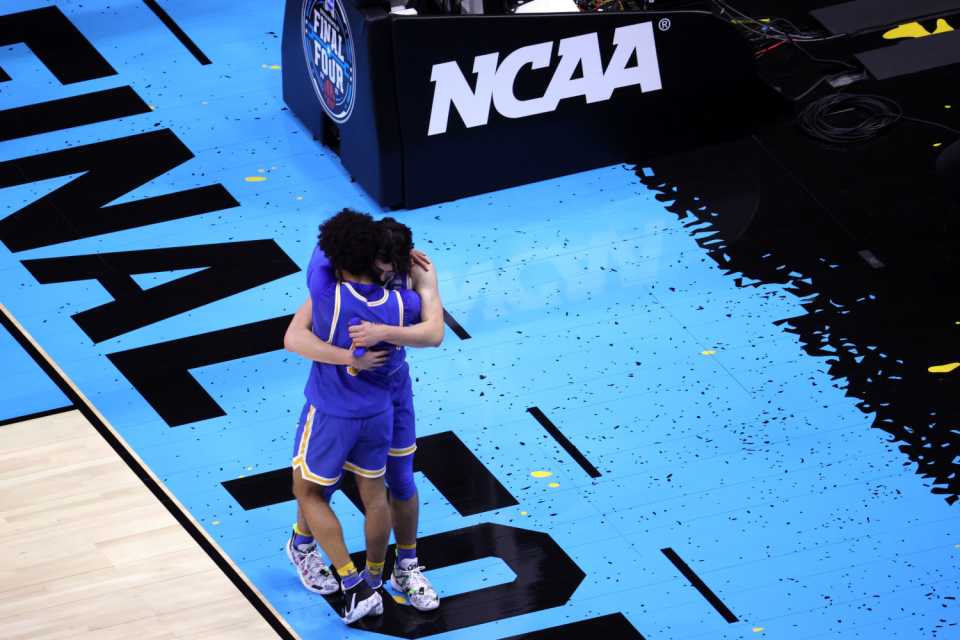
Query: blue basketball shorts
point(400, 479)
point(327, 445)
point(404, 441)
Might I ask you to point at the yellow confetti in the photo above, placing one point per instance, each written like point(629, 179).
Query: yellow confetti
point(914, 30)
point(946, 106)
point(942, 26)
point(274, 66)
point(708, 353)
point(272, 168)
point(216, 522)
point(758, 629)
point(937, 144)
point(260, 170)
point(944, 368)
point(400, 599)
point(301, 198)
point(204, 103)
point(523, 513)
point(553, 484)
point(541, 474)
point(243, 476)
point(956, 545)
point(264, 66)
point(255, 179)
point(152, 108)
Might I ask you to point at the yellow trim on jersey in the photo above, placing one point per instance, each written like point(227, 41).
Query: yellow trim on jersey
point(400, 302)
point(307, 426)
point(363, 472)
point(399, 453)
point(336, 315)
point(386, 294)
point(300, 462)
point(354, 292)
point(360, 297)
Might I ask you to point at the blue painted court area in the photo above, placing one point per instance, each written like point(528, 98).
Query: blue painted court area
point(24, 388)
point(714, 433)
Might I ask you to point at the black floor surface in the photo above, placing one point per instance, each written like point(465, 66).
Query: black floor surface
point(790, 202)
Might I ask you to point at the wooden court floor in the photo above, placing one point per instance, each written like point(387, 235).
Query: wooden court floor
point(89, 552)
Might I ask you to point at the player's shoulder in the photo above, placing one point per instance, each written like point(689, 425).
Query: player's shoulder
point(419, 277)
point(321, 285)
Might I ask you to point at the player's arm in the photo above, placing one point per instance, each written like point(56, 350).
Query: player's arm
point(427, 333)
point(301, 340)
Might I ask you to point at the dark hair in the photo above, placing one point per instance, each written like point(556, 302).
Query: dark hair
point(395, 244)
point(350, 240)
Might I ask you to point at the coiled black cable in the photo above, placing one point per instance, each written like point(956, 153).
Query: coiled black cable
point(880, 114)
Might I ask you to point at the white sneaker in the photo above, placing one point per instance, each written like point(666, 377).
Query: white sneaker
point(408, 579)
point(314, 574)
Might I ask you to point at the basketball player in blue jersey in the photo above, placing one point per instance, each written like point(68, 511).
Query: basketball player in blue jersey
point(347, 421)
point(395, 269)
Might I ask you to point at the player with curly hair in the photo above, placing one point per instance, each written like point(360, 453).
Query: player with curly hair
point(347, 421)
point(401, 268)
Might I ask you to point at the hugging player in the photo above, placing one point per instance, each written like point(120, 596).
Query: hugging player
point(401, 269)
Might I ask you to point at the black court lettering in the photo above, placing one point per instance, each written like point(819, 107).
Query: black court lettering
point(111, 169)
point(546, 578)
point(456, 473)
point(699, 585)
point(67, 113)
point(442, 458)
point(161, 372)
point(614, 626)
point(229, 268)
point(56, 42)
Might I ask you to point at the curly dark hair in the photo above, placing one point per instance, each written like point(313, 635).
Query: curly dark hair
point(395, 244)
point(351, 241)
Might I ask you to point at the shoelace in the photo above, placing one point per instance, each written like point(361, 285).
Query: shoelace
point(314, 565)
point(419, 582)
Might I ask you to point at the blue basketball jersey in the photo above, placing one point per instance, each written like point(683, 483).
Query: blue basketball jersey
point(399, 281)
point(340, 390)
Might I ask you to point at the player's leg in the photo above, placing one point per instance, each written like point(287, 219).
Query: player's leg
point(368, 462)
point(301, 548)
point(404, 501)
point(377, 525)
point(304, 553)
point(405, 513)
point(321, 458)
point(322, 520)
point(407, 576)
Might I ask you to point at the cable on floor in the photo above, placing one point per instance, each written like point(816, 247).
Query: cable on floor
point(879, 115)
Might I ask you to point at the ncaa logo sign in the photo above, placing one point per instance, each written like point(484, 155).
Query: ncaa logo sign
point(328, 46)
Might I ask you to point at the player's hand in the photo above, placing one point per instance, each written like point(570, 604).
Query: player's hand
point(366, 334)
point(370, 360)
point(420, 259)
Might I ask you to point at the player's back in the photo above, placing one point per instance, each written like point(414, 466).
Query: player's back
point(345, 391)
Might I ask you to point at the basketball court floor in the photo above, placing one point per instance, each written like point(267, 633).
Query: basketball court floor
point(653, 415)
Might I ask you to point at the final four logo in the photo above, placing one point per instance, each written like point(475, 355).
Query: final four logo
point(328, 45)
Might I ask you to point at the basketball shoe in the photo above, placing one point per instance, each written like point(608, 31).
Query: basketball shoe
point(408, 579)
point(360, 600)
point(313, 572)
